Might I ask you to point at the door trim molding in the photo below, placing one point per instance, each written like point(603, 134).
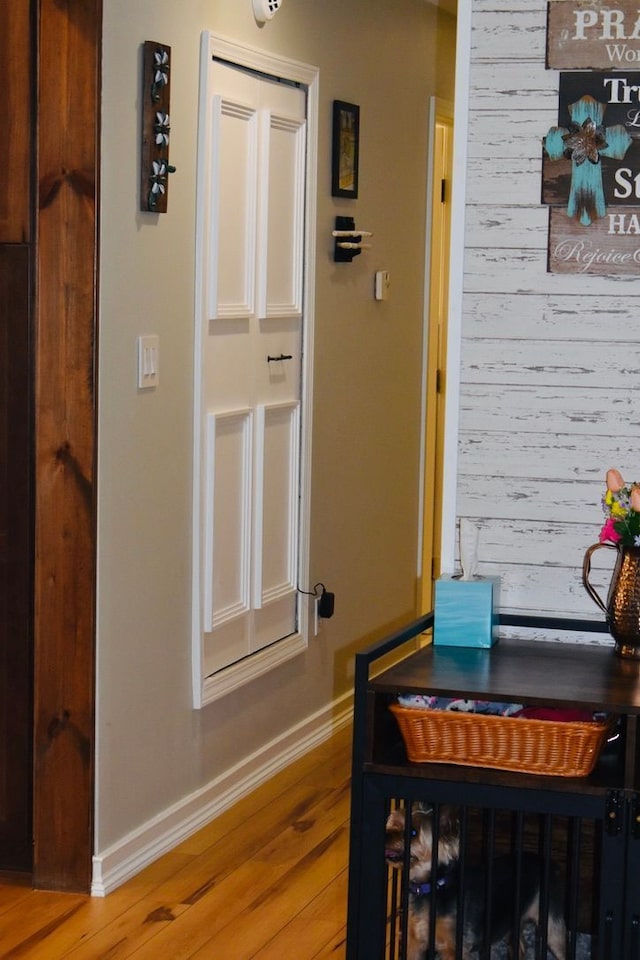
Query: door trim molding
point(206, 689)
point(456, 287)
point(440, 111)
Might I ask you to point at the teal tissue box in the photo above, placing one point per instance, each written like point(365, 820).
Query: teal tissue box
point(466, 612)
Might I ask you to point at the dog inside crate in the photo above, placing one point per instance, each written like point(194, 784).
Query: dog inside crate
point(488, 884)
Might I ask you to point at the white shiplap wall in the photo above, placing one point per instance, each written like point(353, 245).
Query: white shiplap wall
point(550, 364)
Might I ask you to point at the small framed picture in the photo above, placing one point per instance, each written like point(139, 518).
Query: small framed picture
point(346, 143)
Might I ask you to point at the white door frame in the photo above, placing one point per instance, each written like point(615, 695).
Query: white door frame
point(456, 279)
point(207, 689)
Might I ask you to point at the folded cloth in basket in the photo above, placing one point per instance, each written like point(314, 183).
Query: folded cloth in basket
point(425, 702)
point(562, 716)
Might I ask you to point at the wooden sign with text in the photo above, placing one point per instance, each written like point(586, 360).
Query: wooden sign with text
point(591, 34)
point(591, 174)
point(608, 247)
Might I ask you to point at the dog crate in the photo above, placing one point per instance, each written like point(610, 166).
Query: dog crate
point(571, 843)
point(517, 877)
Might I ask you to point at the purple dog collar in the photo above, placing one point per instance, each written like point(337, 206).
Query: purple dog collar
point(423, 889)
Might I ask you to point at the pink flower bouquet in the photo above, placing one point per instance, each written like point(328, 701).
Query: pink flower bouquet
point(621, 507)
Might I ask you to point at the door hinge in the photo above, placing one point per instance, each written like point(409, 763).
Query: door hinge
point(439, 381)
point(443, 191)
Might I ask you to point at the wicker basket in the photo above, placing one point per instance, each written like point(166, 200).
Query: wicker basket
point(561, 749)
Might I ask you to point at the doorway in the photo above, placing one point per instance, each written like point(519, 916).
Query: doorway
point(16, 437)
point(15, 561)
point(439, 235)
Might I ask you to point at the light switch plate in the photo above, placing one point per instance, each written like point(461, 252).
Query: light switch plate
point(382, 285)
point(148, 362)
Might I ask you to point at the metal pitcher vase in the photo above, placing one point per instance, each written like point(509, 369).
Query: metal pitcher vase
point(622, 608)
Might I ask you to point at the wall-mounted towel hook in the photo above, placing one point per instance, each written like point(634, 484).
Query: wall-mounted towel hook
point(348, 241)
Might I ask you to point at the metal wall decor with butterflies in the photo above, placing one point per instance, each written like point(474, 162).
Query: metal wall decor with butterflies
point(156, 127)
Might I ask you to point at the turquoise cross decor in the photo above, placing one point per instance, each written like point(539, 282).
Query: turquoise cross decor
point(585, 141)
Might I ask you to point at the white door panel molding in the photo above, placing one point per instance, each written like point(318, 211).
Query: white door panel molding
point(257, 159)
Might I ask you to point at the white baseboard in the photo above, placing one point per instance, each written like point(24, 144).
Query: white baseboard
point(135, 851)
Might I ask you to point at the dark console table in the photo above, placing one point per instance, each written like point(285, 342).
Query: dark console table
point(537, 673)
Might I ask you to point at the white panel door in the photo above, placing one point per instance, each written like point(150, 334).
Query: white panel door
point(252, 185)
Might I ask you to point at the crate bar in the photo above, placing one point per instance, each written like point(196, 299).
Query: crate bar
point(359, 815)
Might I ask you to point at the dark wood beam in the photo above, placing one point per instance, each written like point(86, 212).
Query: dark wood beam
point(69, 39)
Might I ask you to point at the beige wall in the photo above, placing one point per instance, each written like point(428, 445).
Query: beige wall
point(153, 748)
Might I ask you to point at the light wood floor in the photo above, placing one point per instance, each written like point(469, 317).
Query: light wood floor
point(266, 880)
